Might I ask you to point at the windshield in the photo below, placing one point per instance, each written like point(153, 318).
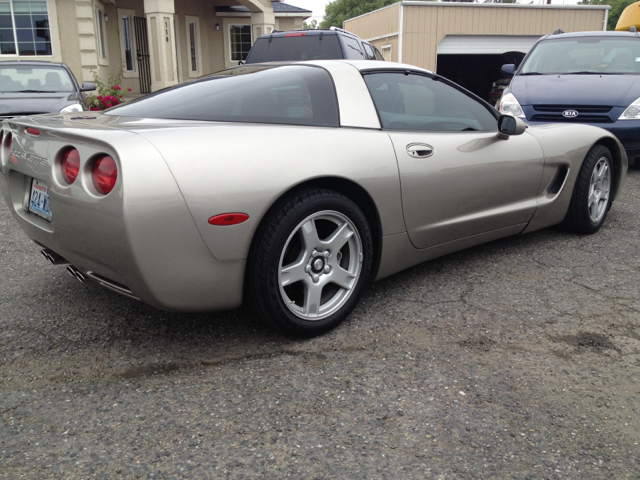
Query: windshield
point(21, 78)
point(584, 55)
point(295, 48)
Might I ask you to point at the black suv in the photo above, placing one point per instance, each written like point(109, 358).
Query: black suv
point(299, 45)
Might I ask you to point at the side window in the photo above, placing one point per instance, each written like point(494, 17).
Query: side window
point(351, 48)
point(418, 102)
point(288, 95)
point(378, 54)
point(368, 50)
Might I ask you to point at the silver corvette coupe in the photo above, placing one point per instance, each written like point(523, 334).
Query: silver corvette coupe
point(293, 185)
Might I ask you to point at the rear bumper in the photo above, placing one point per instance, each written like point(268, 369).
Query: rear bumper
point(134, 241)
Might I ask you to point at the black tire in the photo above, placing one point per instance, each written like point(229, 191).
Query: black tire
point(578, 218)
point(280, 245)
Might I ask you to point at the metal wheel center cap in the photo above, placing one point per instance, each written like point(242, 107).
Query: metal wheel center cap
point(318, 264)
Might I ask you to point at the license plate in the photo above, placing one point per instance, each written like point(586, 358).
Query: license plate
point(39, 202)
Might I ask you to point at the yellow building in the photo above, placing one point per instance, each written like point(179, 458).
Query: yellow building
point(154, 43)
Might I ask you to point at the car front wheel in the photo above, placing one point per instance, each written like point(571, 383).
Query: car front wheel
point(591, 197)
point(312, 260)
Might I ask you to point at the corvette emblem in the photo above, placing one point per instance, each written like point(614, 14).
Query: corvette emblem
point(570, 113)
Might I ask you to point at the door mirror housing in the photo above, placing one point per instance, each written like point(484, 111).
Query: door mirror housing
point(88, 87)
point(508, 70)
point(508, 125)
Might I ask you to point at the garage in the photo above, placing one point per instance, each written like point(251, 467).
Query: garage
point(469, 42)
point(474, 61)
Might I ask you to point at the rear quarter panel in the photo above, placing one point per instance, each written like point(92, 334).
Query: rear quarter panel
point(223, 168)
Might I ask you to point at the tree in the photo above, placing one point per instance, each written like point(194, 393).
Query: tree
point(313, 24)
point(340, 10)
point(617, 7)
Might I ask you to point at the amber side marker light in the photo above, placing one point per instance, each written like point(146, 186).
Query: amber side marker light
point(228, 219)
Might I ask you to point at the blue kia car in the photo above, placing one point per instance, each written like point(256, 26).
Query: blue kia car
point(582, 77)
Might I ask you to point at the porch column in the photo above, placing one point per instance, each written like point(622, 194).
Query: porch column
point(162, 43)
point(263, 20)
point(262, 23)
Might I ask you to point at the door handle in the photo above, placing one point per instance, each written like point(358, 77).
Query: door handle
point(419, 150)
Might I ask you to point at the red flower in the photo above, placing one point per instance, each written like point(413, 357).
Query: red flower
point(129, 89)
point(99, 97)
point(93, 109)
point(116, 87)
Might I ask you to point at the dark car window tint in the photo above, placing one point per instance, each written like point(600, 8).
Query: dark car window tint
point(417, 102)
point(40, 79)
point(584, 55)
point(295, 95)
point(284, 49)
point(351, 48)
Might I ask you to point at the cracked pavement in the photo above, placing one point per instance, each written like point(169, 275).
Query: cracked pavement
point(515, 359)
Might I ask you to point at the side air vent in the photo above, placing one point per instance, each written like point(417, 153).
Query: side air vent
point(558, 180)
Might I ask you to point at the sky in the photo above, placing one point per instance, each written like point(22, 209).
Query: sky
point(316, 6)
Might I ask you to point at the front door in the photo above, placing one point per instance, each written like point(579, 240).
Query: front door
point(458, 177)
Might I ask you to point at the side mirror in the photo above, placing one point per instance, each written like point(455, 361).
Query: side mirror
point(88, 87)
point(508, 125)
point(508, 70)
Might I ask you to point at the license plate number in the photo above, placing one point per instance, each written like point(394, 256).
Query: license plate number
point(39, 202)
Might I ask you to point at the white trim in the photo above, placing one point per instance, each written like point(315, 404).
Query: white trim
point(387, 47)
point(123, 55)
point(380, 37)
point(502, 5)
point(400, 31)
point(188, 20)
point(606, 20)
point(457, 44)
point(248, 14)
point(103, 27)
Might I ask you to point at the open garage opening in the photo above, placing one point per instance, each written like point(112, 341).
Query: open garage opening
point(478, 73)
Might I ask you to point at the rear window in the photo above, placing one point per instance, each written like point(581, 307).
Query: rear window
point(290, 94)
point(299, 48)
point(24, 78)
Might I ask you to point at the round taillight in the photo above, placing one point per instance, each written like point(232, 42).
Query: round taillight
point(70, 165)
point(104, 174)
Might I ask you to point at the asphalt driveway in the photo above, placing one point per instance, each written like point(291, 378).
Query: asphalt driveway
point(516, 359)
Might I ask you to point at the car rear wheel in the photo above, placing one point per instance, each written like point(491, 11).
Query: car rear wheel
point(311, 262)
point(591, 197)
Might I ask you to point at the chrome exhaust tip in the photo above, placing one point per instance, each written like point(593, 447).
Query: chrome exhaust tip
point(53, 257)
point(74, 272)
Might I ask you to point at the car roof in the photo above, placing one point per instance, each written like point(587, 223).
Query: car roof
point(43, 63)
point(599, 33)
point(361, 65)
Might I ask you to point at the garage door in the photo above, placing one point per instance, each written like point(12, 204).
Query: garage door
point(486, 44)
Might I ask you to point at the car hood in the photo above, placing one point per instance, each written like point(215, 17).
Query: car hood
point(609, 90)
point(30, 103)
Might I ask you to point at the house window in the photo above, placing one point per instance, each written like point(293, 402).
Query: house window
point(386, 52)
point(240, 41)
point(194, 56)
point(127, 42)
point(24, 28)
point(100, 29)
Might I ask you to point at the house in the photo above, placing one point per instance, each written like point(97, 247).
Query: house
point(469, 42)
point(154, 43)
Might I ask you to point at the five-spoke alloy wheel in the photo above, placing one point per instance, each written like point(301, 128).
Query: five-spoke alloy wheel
point(592, 193)
point(310, 263)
